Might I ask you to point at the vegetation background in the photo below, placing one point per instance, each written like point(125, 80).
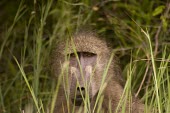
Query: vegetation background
point(138, 29)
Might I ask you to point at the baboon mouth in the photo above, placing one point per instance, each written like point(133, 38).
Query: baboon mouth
point(78, 100)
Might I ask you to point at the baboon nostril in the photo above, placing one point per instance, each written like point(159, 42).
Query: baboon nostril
point(80, 88)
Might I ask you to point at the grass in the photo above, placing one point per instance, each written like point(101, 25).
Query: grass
point(25, 78)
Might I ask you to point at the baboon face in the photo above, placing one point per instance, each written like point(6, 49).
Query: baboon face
point(84, 60)
point(82, 72)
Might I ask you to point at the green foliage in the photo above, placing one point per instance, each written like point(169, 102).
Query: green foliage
point(137, 30)
point(158, 10)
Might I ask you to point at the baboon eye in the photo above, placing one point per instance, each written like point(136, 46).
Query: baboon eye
point(72, 55)
point(88, 54)
point(85, 54)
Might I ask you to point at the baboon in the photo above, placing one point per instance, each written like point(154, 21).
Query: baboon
point(90, 77)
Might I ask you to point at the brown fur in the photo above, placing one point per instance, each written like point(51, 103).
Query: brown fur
point(112, 92)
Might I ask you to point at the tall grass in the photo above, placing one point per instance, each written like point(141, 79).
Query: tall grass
point(26, 42)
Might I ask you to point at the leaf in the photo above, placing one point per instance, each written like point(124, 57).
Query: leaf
point(164, 23)
point(158, 10)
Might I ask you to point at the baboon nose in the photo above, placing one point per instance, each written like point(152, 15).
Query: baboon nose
point(80, 89)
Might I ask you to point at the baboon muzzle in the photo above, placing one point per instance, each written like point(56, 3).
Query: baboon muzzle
point(79, 96)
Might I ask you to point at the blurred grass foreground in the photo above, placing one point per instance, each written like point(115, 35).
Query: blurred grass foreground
point(138, 29)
